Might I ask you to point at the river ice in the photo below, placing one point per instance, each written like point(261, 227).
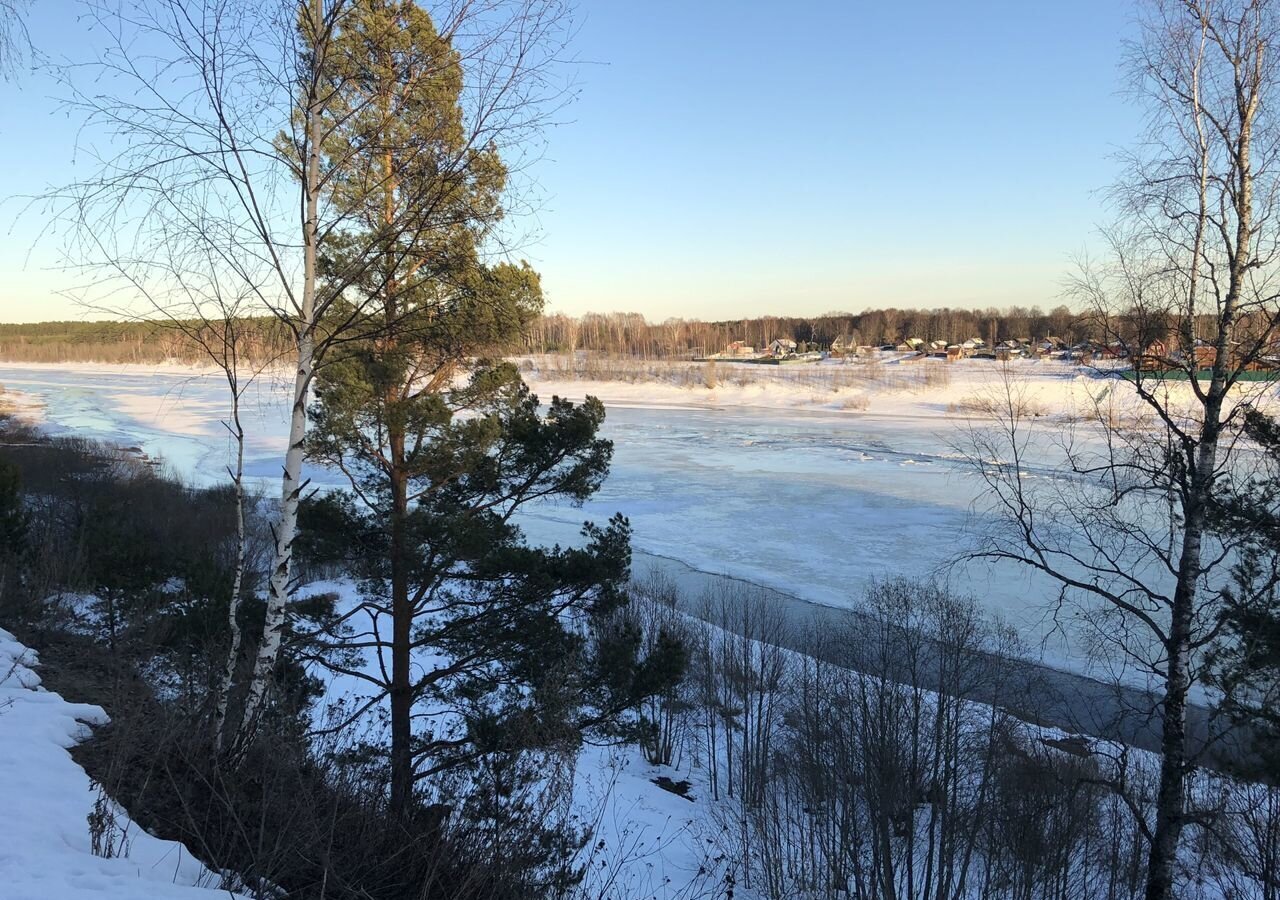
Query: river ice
point(817, 504)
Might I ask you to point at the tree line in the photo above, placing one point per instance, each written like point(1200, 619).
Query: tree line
point(618, 334)
point(631, 334)
point(266, 340)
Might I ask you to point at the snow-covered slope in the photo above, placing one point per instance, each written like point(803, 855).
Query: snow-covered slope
point(46, 850)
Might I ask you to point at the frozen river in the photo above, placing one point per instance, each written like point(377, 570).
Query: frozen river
point(813, 504)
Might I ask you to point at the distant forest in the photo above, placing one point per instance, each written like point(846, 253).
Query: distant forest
point(262, 340)
point(620, 334)
point(631, 334)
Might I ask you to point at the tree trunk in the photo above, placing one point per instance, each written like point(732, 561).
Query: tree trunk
point(1170, 813)
point(401, 693)
point(402, 621)
point(237, 582)
point(401, 611)
point(305, 328)
point(1170, 800)
point(285, 532)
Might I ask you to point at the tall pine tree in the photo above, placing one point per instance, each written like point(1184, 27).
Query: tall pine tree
point(400, 151)
point(442, 451)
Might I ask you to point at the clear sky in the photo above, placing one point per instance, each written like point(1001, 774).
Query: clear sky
point(741, 158)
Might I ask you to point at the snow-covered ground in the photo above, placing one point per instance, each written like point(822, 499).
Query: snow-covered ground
point(649, 842)
point(46, 848)
point(646, 842)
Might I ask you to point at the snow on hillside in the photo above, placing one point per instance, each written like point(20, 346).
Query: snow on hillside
point(46, 849)
point(646, 842)
point(653, 842)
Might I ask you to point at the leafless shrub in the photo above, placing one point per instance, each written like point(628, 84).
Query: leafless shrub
point(851, 374)
point(107, 837)
point(1242, 843)
point(847, 761)
point(666, 735)
point(988, 407)
point(936, 375)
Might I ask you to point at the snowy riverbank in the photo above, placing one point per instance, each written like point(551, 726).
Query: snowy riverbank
point(46, 846)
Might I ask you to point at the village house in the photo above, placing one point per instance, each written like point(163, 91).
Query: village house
point(1010, 349)
point(1049, 346)
point(1163, 356)
point(782, 347)
point(1205, 357)
point(1154, 357)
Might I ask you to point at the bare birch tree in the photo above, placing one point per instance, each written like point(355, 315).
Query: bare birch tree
point(1188, 287)
point(14, 40)
point(213, 123)
point(197, 299)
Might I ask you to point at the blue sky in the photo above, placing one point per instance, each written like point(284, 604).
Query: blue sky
point(742, 158)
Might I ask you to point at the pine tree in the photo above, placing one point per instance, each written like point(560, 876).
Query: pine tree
point(401, 156)
point(442, 450)
point(450, 578)
point(1246, 659)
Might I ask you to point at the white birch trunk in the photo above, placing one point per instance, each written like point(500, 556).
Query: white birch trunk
point(286, 529)
point(237, 582)
point(305, 327)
